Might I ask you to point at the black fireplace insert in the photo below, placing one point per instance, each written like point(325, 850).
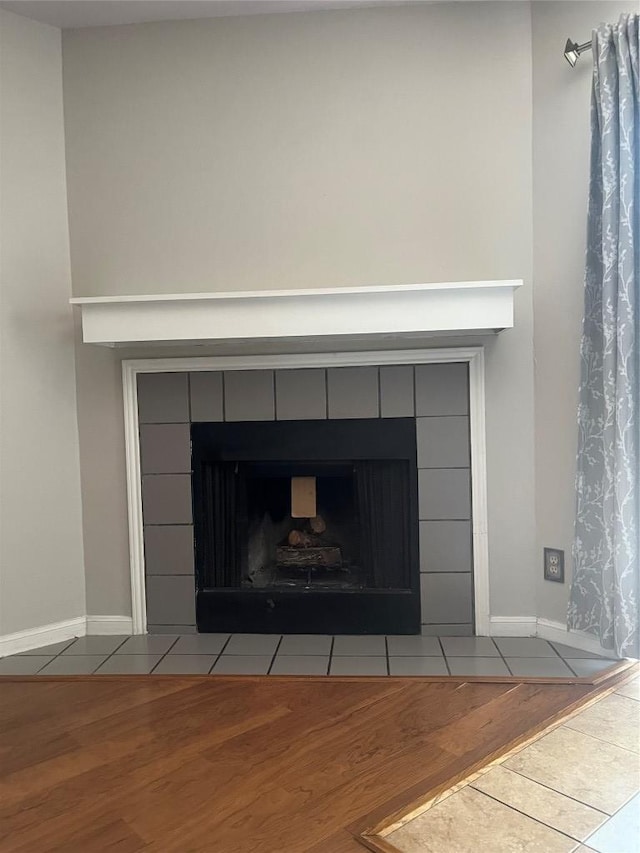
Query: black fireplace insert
point(306, 526)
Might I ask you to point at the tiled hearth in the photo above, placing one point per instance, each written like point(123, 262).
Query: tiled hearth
point(309, 654)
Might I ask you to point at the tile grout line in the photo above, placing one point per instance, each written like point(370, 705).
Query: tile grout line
point(566, 663)
point(275, 654)
point(502, 657)
point(387, 655)
point(163, 656)
point(599, 739)
point(87, 655)
point(125, 641)
point(333, 639)
point(223, 392)
point(326, 392)
point(446, 661)
point(414, 414)
point(220, 653)
point(548, 787)
point(275, 394)
point(68, 646)
point(111, 655)
point(524, 814)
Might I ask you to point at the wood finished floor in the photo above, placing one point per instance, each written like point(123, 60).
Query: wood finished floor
point(174, 765)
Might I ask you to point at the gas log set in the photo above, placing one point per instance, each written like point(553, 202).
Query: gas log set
point(309, 548)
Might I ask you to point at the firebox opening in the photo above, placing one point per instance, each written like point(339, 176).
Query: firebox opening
point(322, 551)
point(265, 563)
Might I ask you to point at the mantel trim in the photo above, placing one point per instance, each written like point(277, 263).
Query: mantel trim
point(334, 314)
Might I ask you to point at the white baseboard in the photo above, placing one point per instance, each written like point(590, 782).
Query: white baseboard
point(43, 635)
point(557, 632)
point(513, 626)
point(546, 629)
point(109, 625)
point(57, 632)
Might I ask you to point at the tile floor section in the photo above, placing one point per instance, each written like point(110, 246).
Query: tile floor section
point(306, 654)
point(576, 788)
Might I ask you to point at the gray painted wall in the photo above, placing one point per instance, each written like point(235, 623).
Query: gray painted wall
point(316, 149)
point(436, 395)
point(41, 561)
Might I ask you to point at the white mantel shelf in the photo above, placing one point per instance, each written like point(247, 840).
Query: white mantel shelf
point(461, 308)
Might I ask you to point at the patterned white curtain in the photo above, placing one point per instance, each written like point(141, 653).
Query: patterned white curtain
point(604, 592)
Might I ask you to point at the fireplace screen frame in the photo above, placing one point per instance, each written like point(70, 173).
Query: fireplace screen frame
point(363, 442)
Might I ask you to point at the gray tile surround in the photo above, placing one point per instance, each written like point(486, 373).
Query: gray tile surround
point(166, 499)
point(444, 494)
point(306, 654)
point(249, 395)
point(206, 396)
point(168, 549)
point(301, 395)
point(443, 442)
point(171, 599)
point(353, 392)
point(441, 389)
point(165, 448)
point(397, 392)
point(445, 546)
point(437, 394)
point(163, 398)
point(446, 598)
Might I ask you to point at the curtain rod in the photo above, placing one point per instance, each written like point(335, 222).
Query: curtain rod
point(572, 51)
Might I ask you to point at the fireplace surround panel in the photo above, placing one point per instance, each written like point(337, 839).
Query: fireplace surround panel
point(434, 396)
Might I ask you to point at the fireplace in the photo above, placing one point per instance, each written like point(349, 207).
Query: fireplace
point(339, 426)
point(305, 526)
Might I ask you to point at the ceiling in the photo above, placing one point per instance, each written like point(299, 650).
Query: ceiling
point(71, 14)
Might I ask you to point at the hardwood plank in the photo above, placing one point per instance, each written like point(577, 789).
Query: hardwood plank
point(239, 765)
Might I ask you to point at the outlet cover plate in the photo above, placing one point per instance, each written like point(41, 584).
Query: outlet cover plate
point(554, 565)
